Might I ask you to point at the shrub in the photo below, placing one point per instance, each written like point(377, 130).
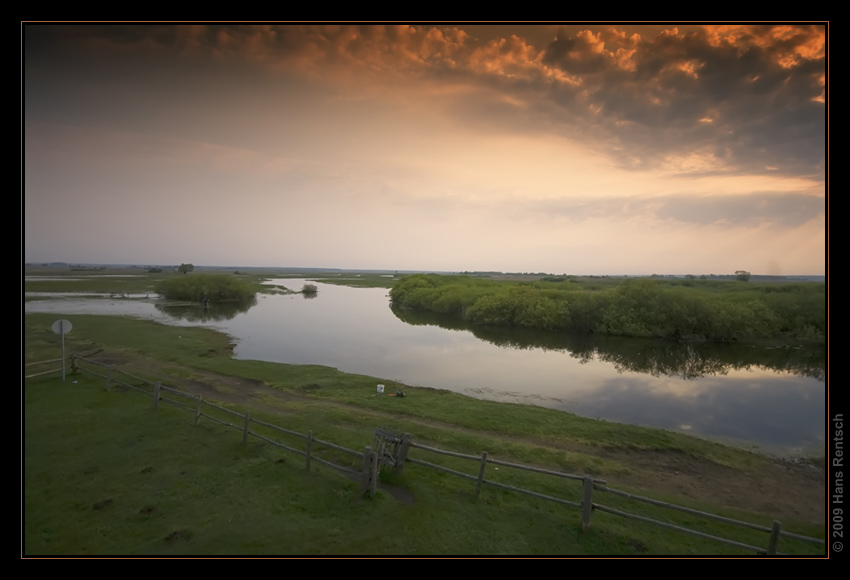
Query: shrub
point(215, 287)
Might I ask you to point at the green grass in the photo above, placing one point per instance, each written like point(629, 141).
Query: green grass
point(105, 474)
point(139, 280)
point(364, 280)
point(209, 350)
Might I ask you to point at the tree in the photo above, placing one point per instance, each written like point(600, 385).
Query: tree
point(212, 287)
point(742, 276)
point(185, 268)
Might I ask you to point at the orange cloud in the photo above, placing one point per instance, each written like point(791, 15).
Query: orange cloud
point(505, 56)
point(788, 44)
point(377, 47)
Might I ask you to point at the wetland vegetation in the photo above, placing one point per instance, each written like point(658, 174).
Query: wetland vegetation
point(87, 495)
point(688, 309)
point(201, 287)
point(200, 486)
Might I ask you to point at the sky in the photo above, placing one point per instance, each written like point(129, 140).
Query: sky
point(559, 148)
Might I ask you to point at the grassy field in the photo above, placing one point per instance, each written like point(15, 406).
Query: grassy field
point(140, 281)
point(106, 474)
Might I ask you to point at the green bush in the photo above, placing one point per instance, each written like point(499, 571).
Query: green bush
point(708, 310)
point(214, 287)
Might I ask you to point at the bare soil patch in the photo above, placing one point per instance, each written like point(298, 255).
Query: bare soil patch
point(780, 488)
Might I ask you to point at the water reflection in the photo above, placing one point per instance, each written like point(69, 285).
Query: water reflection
point(657, 357)
point(211, 312)
point(770, 411)
point(773, 398)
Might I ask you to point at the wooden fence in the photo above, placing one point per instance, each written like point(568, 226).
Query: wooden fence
point(396, 455)
point(40, 363)
point(368, 472)
point(587, 504)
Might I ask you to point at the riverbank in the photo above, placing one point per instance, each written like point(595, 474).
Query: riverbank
point(105, 474)
point(670, 464)
point(756, 397)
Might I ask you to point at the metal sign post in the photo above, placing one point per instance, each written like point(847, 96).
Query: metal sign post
point(62, 327)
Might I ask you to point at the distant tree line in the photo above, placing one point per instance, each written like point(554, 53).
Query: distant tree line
point(682, 308)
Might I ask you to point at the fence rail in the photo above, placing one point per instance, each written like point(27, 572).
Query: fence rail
point(647, 520)
point(279, 428)
point(679, 508)
point(587, 505)
point(444, 452)
point(368, 473)
point(711, 516)
point(533, 493)
point(541, 470)
point(43, 362)
point(372, 462)
point(441, 468)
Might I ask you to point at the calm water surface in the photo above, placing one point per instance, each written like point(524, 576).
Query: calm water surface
point(773, 406)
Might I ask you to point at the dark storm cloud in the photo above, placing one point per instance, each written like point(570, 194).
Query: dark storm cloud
point(753, 97)
point(748, 98)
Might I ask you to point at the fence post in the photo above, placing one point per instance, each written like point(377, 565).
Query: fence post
point(245, 427)
point(73, 363)
point(774, 538)
point(109, 378)
point(587, 504)
point(367, 469)
point(198, 409)
point(373, 472)
point(155, 395)
point(402, 453)
point(309, 447)
point(480, 474)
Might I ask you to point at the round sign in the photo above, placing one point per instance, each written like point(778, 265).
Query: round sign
point(61, 327)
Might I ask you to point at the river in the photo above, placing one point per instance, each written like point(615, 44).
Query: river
point(767, 399)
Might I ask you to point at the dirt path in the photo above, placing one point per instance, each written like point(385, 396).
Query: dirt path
point(780, 489)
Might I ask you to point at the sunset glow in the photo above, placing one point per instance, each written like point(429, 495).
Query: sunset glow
point(603, 149)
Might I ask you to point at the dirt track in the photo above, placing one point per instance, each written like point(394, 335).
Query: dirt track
point(783, 489)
